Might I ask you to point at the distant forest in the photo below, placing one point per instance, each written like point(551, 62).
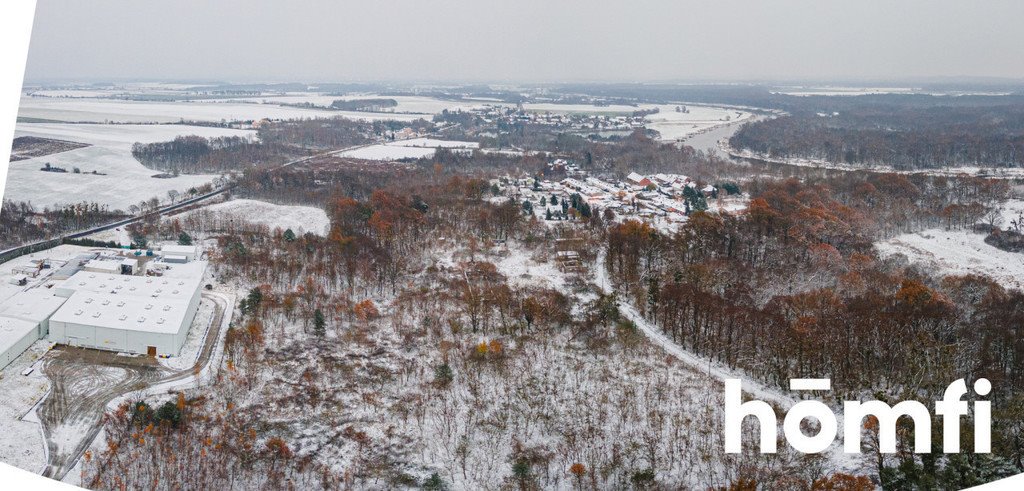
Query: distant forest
point(198, 155)
point(364, 104)
point(904, 135)
point(277, 143)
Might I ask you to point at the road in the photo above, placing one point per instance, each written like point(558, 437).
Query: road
point(85, 381)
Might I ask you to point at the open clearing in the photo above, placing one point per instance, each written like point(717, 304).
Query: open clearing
point(301, 219)
point(414, 148)
point(961, 252)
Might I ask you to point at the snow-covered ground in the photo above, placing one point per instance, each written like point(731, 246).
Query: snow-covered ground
point(700, 119)
point(387, 152)
point(301, 219)
point(406, 104)
point(414, 148)
point(82, 110)
point(194, 341)
point(433, 143)
point(21, 441)
point(126, 182)
point(522, 270)
point(961, 252)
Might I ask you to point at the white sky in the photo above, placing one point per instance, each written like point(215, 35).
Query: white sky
point(525, 40)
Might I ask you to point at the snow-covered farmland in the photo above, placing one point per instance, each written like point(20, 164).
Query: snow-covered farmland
point(406, 104)
point(961, 252)
point(301, 219)
point(699, 119)
point(126, 181)
point(84, 110)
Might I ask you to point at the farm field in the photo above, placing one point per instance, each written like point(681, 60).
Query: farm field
point(85, 110)
point(109, 155)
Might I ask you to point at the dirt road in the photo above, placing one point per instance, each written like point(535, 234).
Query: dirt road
point(85, 381)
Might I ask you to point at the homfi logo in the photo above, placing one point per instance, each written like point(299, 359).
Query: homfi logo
point(951, 408)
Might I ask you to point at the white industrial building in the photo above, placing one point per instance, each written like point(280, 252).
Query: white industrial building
point(136, 314)
point(24, 319)
point(174, 253)
point(112, 302)
point(15, 337)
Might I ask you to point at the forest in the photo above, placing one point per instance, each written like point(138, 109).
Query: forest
point(431, 339)
point(905, 135)
point(793, 289)
point(363, 104)
point(277, 143)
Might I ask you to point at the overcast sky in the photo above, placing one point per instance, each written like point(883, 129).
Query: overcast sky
point(525, 40)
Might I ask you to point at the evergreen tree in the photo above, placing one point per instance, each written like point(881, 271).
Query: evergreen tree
point(319, 323)
point(528, 207)
point(289, 236)
point(184, 239)
point(653, 295)
point(253, 300)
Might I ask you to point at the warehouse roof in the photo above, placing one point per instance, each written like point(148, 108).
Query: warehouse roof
point(158, 315)
point(179, 249)
point(35, 305)
point(179, 281)
point(14, 330)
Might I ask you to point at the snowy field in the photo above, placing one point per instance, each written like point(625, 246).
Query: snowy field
point(85, 110)
point(406, 104)
point(301, 219)
point(433, 143)
point(961, 252)
point(414, 148)
point(126, 182)
point(700, 119)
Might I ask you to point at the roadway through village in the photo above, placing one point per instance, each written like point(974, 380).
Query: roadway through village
point(85, 381)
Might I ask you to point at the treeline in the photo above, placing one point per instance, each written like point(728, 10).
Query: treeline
point(363, 104)
point(277, 143)
point(793, 289)
point(199, 155)
point(906, 137)
point(317, 134)
point(21, 222)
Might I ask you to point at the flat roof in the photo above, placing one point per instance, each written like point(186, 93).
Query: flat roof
point(178, 249)
point(156, 315)
point(35, 305)
point(13, 330)
point(108, 264)
point(179, 281)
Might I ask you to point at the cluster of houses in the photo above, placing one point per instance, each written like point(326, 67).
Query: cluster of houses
point(664, 200)
point(578, 122)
